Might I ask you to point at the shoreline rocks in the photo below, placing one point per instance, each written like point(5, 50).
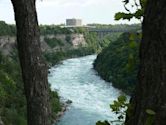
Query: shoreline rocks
point(1, 122)
point(65, 105)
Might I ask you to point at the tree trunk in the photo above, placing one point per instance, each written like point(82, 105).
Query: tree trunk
point(151, 87)
point(34, 69)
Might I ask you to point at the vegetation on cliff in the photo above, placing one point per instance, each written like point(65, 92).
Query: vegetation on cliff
point(118, 63)
point(62, 50)
point(13, 102)
point(6, 29)
point(55, 57)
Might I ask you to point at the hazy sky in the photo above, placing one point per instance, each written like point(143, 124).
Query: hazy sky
point(56, 11)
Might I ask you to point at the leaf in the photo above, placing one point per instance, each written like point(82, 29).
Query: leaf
point(113, 107)
point(128, 16)
point(119, 15)
point(126, 1)
point(103, 123)
point(138, 14)
point(150, 112)
point(143, 3)
point(120, 117)
point(132, 44)
point(132, 37)
point(122, 99)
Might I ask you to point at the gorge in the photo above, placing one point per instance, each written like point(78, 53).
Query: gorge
point(76, 80)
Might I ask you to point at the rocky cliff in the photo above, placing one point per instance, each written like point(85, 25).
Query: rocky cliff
point(6, 44)
point(1, 123)
point(48, 42)
point(63, 42)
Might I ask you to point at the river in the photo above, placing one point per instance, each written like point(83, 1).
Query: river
point(76, 80)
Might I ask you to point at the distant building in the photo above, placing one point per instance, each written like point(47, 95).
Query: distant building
point(73, 22)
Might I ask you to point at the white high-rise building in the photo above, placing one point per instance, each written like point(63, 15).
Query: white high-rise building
point(73, 22)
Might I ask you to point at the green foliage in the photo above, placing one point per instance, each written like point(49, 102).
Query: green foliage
point(119, 107)
point(53, 29)
point(103, 123)
point(79, 30)
point(122, 27)
point(53, 42)
point(150, 112)
point(13, 102)
point(10, 30)
point(93, 45)
point(92, 40)
point(109, 38)
point(68, 38)
point(55, 57)
point(122, 15)
point(138, 14)
point(55, 103)
point(150, 117)
point(118, 63)
point(7, 30)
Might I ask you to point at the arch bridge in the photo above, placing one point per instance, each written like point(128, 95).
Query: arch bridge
point(101, 33)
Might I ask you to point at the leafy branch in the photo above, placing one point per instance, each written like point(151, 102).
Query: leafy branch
point(138, 13)
point(119, 107)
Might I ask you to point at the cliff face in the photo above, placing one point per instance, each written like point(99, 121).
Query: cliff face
point(6, 44)
point(61, 41)
point(78, 39)
point(118, 63)
point(1, 123)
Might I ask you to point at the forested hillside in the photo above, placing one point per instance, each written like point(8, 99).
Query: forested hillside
point(57, 44)
point(13, 103)
point(118, 63)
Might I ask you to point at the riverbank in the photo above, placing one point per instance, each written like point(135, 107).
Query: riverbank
point(76, 80)
point(64, 108)
point(13, 102)
point(118, 63)
point(57, 44)
point(54, 58)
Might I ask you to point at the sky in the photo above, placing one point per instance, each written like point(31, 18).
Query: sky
point(57, 11)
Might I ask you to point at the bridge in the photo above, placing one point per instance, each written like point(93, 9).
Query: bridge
point(101, 33)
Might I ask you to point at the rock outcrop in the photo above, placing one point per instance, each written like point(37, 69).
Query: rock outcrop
point(1, 122)
point(75, 40)
point(6, 44)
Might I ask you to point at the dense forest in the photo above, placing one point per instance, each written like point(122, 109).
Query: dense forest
point(13, 103)
point(135, 62)
point(118, 63)
point(147, 104)
point(60, 49)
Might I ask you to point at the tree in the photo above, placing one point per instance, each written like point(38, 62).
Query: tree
point(34, 69)
point(148, 104)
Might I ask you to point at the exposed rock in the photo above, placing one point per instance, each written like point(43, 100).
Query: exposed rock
point(7, 42)
point(1, 122)
point(63, 110)
point(68, 102)
point(77, 40)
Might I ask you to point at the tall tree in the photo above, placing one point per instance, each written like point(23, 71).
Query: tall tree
point(148, 105)
point(34, 69)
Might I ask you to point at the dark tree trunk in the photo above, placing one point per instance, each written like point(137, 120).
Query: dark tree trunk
point(151, 88)
point(34, 70)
